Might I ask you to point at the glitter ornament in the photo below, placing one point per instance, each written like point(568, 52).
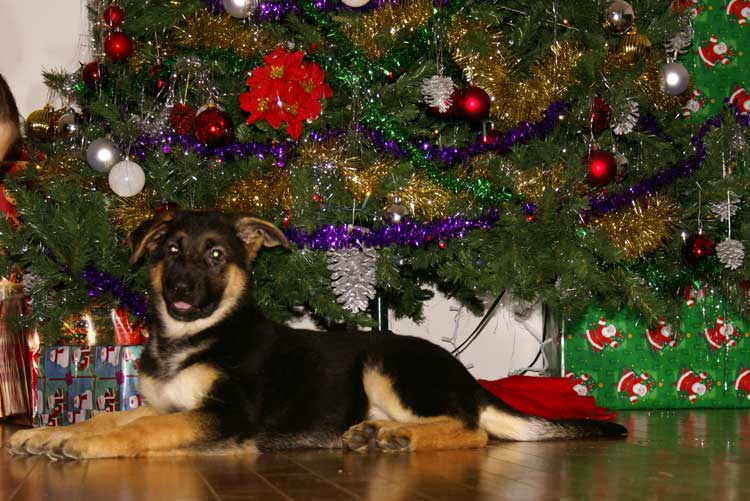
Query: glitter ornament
point(240, 9)
point(726, 208)
point(601, 114)
point(474, 104)
point(118, 46)
point(92, 73)
point(730, 253)
point(113, 16)
point(181, 118)
point(353, 277)
point(438, 92)
point(395, 212)
point(618, 18)
point(126, 178)
point(626, 119)
point(697, 247)
point(213, 127)
point(674, 78)
point(40, 124)
point(602, 168)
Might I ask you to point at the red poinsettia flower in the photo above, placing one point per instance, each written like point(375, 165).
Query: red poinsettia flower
point(286, 89)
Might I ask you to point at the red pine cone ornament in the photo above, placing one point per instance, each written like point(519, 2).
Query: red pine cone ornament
point(181, 118)
point(287, 89)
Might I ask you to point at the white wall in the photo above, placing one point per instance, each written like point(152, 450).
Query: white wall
point(48, 34)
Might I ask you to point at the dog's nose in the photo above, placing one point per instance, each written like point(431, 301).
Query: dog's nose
point(182, 288)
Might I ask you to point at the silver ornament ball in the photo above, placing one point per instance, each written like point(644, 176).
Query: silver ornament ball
point(127, 178)
point(355, 3)
point(102, 154)
point(618, 18)
point(240, 9)
point(674, 79)
point(67, 125)
point(395, 212)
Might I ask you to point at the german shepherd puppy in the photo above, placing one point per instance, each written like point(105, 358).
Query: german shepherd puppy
point(217, 376)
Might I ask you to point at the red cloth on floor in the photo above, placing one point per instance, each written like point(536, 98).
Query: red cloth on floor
point(547, 397)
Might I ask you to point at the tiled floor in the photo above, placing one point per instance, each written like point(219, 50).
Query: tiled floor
point(669, 455)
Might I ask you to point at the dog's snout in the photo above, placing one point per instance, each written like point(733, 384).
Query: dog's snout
point(182, 288)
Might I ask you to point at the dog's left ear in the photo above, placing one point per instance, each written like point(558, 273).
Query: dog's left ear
point(257, 233)
point(145, 237)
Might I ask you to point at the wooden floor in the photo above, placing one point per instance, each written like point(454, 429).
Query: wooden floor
point(669, 455)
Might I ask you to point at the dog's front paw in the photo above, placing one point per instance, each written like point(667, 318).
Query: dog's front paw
point(394, 440)
point(92, 447)
point(25, 442)
point(360, 437)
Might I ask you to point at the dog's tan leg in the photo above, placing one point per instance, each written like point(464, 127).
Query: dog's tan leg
point(431, 434)
point(43, 440)
point(141, 437)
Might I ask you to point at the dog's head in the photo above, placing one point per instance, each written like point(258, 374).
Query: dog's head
point(199, 263)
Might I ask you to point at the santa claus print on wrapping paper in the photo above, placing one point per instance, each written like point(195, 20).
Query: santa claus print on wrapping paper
point(603, 335)
point(721, 334)
point(661, 336)
point(582, 384)
point(739, 10)
point(695, 293)
point(693, 385)
point(715, 52)
point(742, 383)
point(633, 386)
point(741, 99)
point(694, 104)
point(692, 7)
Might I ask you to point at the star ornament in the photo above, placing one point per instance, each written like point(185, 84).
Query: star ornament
point(286, 89)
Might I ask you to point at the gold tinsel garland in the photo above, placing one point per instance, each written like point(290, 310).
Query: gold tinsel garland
point(533, 183)
point(127, 213)
point(642, 228)
point(207, 31)
point(361, 182)
point(513, 99)
point(423, 198)
point(393, 19)
point(58, 168)
point(256, 194)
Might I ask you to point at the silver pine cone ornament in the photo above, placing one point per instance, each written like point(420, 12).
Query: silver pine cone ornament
point(353, 277)
point(730, 253)
point(437, 92)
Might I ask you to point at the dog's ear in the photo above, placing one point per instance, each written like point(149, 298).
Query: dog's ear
point(145, 237)
point(257, 233)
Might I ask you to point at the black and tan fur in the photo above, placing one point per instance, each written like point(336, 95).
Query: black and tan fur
point(219, 377)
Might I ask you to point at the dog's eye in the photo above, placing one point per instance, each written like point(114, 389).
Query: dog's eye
point(216, 254)
point(173, 249)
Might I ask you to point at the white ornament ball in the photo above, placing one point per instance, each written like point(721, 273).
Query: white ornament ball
point(355, 3)
point(674, 79)
point(127, 178)
point(240, 9)
point(102, 154)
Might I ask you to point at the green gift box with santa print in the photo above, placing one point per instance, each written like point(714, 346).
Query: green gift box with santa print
point(701, 359)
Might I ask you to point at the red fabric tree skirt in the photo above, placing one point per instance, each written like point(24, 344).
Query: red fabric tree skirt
point(546, 397)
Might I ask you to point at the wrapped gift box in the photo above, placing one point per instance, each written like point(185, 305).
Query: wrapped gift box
point(75, 383)
point(701, 359)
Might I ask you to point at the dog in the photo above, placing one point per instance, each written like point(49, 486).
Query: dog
point(219, 377)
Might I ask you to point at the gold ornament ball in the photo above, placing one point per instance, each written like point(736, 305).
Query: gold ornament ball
point(618, 18)
point(395, 212)
point(40, 124)
point(633, 47)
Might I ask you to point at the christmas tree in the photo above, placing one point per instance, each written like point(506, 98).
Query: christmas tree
point(555, 150)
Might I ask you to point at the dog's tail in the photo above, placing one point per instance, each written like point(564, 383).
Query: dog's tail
point(497, 419)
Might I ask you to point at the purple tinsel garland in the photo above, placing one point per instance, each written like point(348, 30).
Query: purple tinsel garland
point(100, 282)
point(406, 233)
point(273, 10)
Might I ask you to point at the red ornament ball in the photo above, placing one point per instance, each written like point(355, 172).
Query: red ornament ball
point(92, 74)
point(118, 46)
point(114, 16)
point(601, 115)
point(602, 168)
point(696, 247)
point(474, 104)
point(213, 127)
point(491, 136)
